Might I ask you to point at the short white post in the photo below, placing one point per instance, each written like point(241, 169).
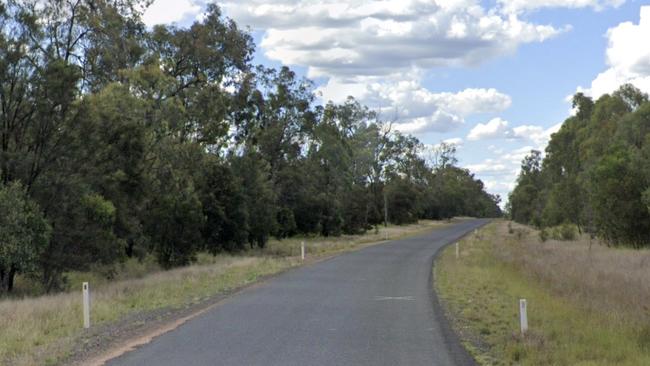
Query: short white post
point(86, 300)
point(457, 250)
point(302, 250)
point(523, 316)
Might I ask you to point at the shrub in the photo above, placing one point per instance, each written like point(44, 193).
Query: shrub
point(568, 232)
point(564, 232)
point(543, 235)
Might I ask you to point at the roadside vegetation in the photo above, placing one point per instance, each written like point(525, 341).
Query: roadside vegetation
point(587, 302)
point(595, 173)
point(46, 330)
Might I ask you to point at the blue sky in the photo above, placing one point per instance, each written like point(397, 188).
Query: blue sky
point(491, 76)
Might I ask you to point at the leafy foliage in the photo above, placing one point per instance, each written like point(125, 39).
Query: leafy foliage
point(24, 234)
point(595, 174)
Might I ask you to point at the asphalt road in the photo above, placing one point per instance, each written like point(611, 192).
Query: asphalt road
point(374, 307)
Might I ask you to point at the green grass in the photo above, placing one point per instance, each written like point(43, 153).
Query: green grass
point(43, 330)
point(482, 293)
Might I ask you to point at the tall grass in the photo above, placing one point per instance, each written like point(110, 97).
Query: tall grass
point(611, 280)
point(587, 302)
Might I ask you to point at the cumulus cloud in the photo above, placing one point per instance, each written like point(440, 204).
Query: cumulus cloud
point(519, 6)
point(337, 38)
point(498, 128)
point(495, 128)
point(415, 108)
point(378, 51)
point(628, 60)
point(170, 11)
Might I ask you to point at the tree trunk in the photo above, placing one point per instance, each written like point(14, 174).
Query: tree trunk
point(10, 279)
point(2, 280)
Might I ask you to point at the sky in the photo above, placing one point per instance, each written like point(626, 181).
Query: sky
point(494, 77)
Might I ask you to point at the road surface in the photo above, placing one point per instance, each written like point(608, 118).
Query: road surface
point(374, 307)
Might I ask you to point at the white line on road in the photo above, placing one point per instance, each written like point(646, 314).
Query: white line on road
point(402, 298)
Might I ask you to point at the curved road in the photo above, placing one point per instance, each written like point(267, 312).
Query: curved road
point(374, 306)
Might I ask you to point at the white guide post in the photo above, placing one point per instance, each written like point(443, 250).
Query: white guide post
point(457, 250)
point(302, 250)
point(523, 316)
point(86, 300)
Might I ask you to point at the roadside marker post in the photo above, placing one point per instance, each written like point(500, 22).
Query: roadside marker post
point(457, 250)
point(86, 301)
point(302, 250)
point(523, 317)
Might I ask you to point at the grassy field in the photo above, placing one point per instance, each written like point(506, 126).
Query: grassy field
point(587, 304)
point(44, 330)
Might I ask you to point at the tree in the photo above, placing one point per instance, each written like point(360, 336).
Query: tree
point(259, 197)
point(24, 234)
point(595, 173)
point(525, 198)
point(617, 188)
point(224, 206)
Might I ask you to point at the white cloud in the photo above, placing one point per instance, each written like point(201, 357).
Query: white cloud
point(489, 167)
point(499, 173)
point(340, 38)
point(170, 11)
point(413, 107)
point(439, 121)
point(495, 128)
point(628, 57)
point(498, 128)
point(519, 6)
point(377, 51)
point(457, 141)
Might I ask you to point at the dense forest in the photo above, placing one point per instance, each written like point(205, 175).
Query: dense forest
point(119, 141)
point(596, 172)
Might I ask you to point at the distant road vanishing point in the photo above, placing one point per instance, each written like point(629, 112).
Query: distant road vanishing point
point(374, 307)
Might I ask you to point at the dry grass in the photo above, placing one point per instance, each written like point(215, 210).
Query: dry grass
point(587, 302)
point(43, 330)
point(611, 280)
point(317, 246)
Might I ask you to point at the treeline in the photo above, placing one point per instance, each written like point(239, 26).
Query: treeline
point(596, 173)
point(121, 141)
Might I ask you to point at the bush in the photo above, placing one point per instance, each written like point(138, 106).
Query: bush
point(568, 232)
point(564, 232)
point(544, 235)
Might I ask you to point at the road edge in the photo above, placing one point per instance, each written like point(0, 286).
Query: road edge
point(453, 341)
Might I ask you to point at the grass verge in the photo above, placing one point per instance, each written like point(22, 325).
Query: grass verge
point(46, 330)
point(586, 304)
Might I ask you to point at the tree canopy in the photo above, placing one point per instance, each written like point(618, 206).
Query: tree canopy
point(595, 174)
